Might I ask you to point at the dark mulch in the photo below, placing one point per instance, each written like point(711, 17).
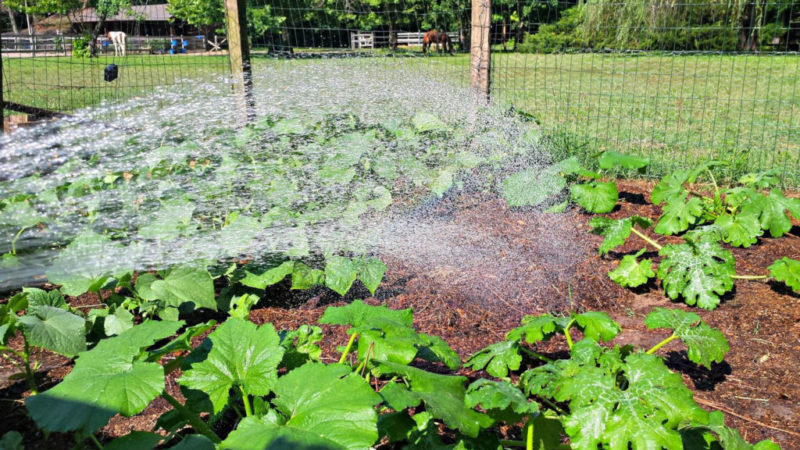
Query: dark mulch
point(475, 267)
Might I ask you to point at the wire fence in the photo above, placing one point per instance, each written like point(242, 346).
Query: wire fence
point(678, 82)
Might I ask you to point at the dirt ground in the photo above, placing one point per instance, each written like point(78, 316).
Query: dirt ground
point(502, 264)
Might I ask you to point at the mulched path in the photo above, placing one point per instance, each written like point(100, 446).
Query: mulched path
point(478, 267)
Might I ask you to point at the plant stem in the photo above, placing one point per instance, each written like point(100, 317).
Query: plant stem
point(193, 419)
point(248, 411)
point(510, 443)
point(749, 277)
point(29, 375)
point(14, 241)
point(714, 182)
point(567, 335)
point(647, 239)
point(529, 443)
point(347, 349)
point(661, 344)
point(96, 442)
point(553, 406)
point(536, 355)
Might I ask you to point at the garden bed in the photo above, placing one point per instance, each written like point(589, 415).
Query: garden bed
point(486, 266)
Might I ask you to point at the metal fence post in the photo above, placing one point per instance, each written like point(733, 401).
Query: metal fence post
point(239, 53)
point(480, 52)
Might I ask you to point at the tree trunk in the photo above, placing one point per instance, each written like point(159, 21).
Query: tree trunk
point(504, 32)
point(96, 33)
point(518, 35)
point(13, 20)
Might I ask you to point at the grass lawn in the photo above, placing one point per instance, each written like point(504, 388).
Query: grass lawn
point(66, 83)
point(744, 109)
point(677, 109)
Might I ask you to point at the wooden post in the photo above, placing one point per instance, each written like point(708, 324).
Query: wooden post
point(2, 102)
point(480, 53)
point(239, 54)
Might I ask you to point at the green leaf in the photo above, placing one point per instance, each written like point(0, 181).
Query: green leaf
point(240, 306)
point(425, 121)
point(670, 186)
point(611, 159)
point(705, 344)
point(537, 328)
point(595, 197)
point(38, 298)
point(106, 380)
point(636, 402)
point(615, 232)
point(382, 200)
point(727, 438)
point(186, 285)
point(498, 358)
point(698, 271)
point(194, 442)
point(135, 440)
point(54, 329)
point(169, 222)
point(359, 313)
point(762, 180)
point(336, 410)
point(444, 397)
point(20, 214)
point(301, 345)
point(532, 187)
point(371, 273)
point(678, 214)
point(304, 277)
point(631, 272)
point(119, 322)
point(443, 182)
point(501, 399)
point(771, 211)
point(597, 325)
point(86, 263)
point(11, 440)
point(741, 230)
point(340, 273)
point(242, 354)
point(270, 277)
point(788, 271)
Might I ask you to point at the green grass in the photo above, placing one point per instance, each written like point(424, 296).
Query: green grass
point(67, 84)
point(678, 110)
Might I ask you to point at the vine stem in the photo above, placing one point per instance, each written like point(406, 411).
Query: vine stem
point(647, 239)
point(194, 419)
point(29, 375)
point(347, 349)
point(536, 355)
point(749, 277)
point(14, 241)
point(248, 411)
point(96, 442)
point(566, 332)
point(661, 344)
point(529, 441)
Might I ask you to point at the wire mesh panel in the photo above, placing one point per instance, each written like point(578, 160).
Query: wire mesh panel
point(55, 56)
point(678, 82)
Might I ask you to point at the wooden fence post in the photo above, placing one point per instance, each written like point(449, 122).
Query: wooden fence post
point(2, 102)
point(480, 52)
point(239, 53)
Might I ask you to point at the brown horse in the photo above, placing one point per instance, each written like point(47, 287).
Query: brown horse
point(440, 38)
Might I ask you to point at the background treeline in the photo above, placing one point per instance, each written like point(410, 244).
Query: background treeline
point(518, 25)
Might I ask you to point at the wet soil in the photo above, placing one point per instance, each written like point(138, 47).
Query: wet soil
point(473, 268)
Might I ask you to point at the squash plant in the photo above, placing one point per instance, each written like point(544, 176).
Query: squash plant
point(250, 386)
point(700, 270)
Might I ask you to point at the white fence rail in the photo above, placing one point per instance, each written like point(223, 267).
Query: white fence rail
point(375, 39)
point(23, 43)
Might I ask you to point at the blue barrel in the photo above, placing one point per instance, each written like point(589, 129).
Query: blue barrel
point(174, 43)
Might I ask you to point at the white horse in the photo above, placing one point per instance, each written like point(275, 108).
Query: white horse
point(118, 38)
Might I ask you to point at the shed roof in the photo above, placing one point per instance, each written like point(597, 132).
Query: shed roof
point(150, 13)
